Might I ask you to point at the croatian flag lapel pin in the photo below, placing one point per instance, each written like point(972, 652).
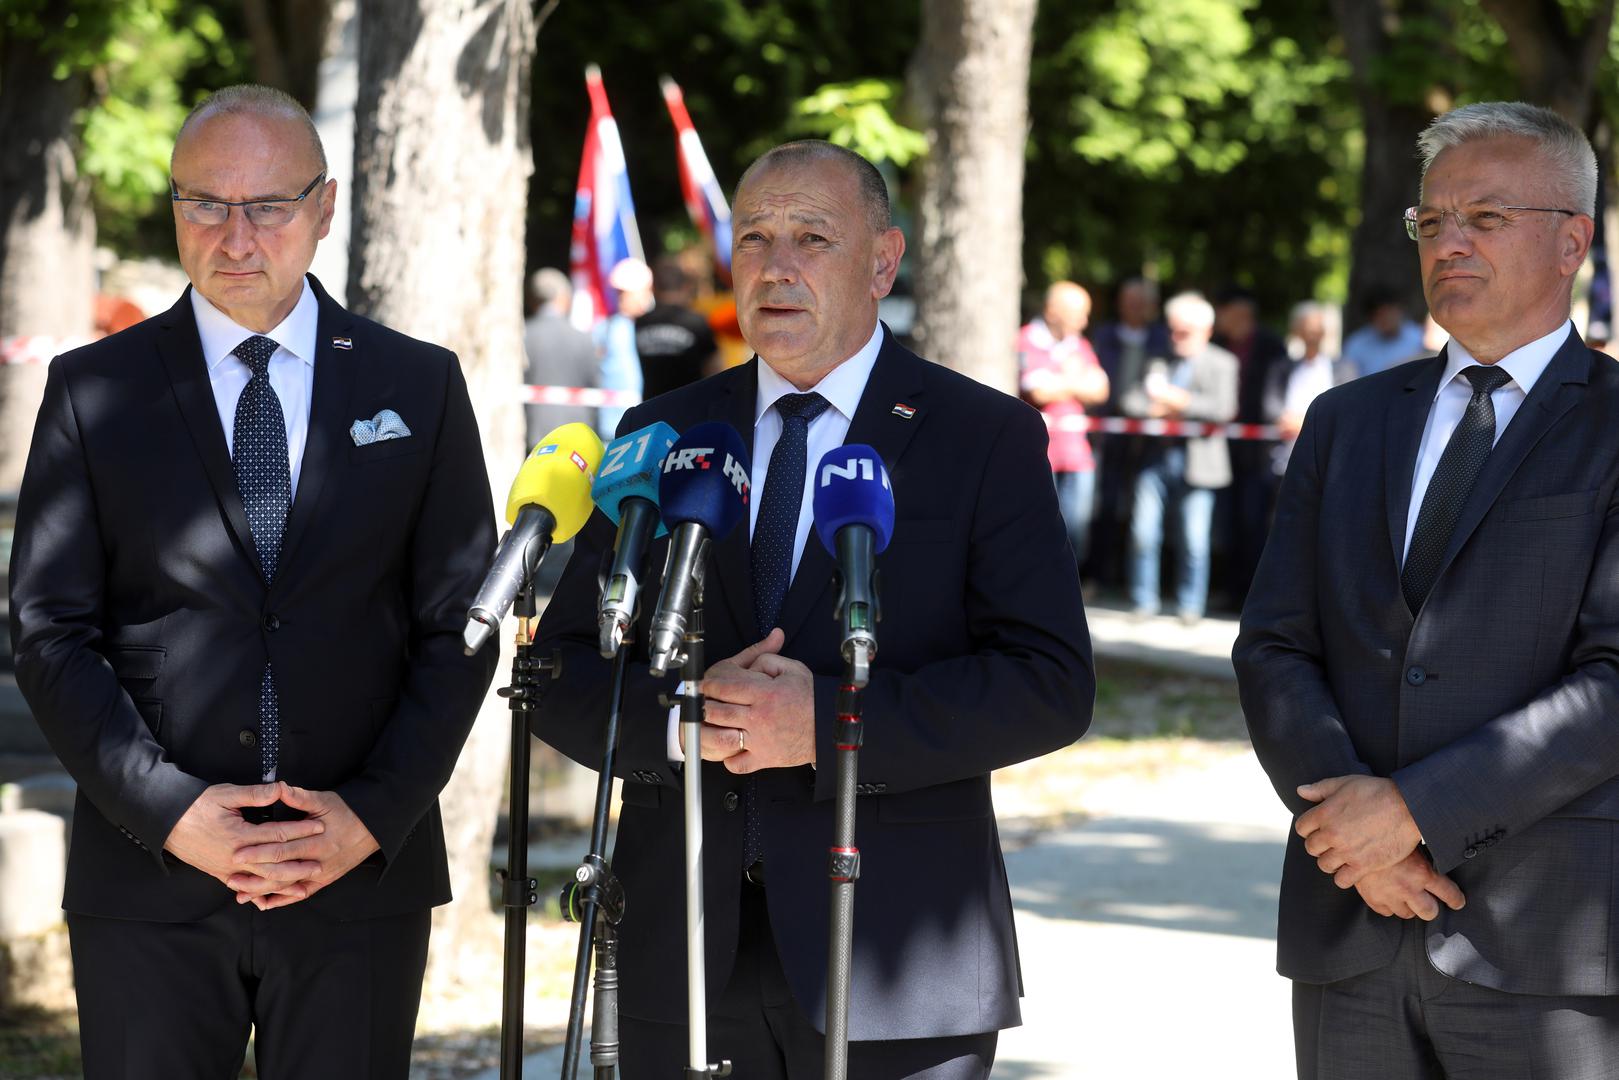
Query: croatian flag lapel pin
point(342, 343)
point(903, 411)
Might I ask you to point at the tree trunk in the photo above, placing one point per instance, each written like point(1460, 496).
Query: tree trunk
point(47, 228)
point(441, 169)
point(289, 43)
point(970, 81)
point(1557, 66)
point(1381, 256)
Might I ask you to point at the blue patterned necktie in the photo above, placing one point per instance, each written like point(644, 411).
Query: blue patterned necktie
point(264, 478)
point(774, 535)
point(1452, 481)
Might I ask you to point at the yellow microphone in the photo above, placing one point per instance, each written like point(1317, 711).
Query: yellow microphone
point(549, 502)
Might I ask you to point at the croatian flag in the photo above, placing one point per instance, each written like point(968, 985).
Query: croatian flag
point(704, 199)
point(604, 230)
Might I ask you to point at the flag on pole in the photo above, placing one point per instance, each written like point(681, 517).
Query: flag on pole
point(604, 230)
point(705, 201)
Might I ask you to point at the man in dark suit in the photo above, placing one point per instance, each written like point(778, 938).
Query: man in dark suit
point(984, 661)
point(246, 540)
point(1429, 658)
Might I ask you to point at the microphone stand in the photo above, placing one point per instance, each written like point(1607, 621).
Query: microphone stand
point(519, 892)
point(595, 900)
point(858, 608)
point(691, 723)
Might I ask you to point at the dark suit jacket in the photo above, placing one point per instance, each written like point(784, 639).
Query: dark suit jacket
point(142, 622)
point(984, 660)
point(1494, 710)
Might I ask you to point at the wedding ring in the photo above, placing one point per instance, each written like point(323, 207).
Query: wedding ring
point(741, 739)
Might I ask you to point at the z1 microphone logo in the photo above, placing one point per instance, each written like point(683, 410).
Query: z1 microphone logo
point(858, 468)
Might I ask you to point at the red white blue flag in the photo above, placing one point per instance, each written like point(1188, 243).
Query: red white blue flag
point(705, 200)
point(604, 230)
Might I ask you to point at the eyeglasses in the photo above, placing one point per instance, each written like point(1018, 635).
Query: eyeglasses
point(1424, 222)
point(263, 213)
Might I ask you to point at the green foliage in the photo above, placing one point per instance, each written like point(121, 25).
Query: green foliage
point(859, 115)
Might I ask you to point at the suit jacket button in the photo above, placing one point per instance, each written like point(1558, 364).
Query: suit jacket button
point(272, 623)
point(247, 737)
point(1470, 852)
point(730, 800)
point(1416, 676)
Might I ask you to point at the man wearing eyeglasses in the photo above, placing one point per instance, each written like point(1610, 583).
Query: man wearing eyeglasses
point(1429, 659)
point(246, 540)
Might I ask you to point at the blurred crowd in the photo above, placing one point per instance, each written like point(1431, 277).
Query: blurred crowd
point(1177, 524)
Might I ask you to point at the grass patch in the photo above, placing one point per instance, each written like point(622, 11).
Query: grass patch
point(36, 1044)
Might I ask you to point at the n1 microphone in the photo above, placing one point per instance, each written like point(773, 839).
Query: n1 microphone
point(549, 502)
point(854, 517)
point(626, 490)
point(703, 492)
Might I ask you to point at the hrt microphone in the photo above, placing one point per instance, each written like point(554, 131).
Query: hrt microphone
point(549, 502)
point(854, 517)
point(626, 490)
point(703, 493)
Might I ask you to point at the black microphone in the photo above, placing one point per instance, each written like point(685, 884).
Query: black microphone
point(549, 502)
point(854, 517)
point(703, 492)
point(626, 490)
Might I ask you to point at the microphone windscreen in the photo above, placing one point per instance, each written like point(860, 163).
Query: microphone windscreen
point(630, 469)
point(557, 475)
point(705, 479)
point(852, 488)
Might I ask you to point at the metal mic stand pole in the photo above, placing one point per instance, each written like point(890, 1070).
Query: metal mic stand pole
point(843, 868)
point(595, 900)
point(691, 723)
point(519, 891)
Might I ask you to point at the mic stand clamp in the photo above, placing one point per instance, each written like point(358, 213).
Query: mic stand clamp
point(518, 891)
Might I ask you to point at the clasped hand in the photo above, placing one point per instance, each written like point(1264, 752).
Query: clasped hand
point(275, 863)
point(758, 709)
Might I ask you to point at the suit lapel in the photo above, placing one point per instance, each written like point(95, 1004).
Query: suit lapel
point(896, 379)
point(181, 349)
point(328, 418)
point(1405, 423)
point(1556, 392)
point(731, 576)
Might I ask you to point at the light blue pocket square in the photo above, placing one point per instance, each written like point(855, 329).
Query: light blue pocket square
point(385, 425)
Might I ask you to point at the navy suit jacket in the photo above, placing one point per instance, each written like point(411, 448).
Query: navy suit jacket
point(1495, 709)
point(142, 621)
point(984, 660)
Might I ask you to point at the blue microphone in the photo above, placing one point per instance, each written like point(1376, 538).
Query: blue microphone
point(703, 491)
point(626, 490)
point(854, 517)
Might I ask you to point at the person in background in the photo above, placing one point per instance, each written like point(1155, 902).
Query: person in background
point(620, 365)
point(1310, 371)
point(674, 343)
point(1060, 376)
point(1389, 338)
point(1181, 475)
point(558, 354)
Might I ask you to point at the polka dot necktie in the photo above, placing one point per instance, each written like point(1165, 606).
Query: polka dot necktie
point(1452, 480)
point(774, 535)
point(264, 478)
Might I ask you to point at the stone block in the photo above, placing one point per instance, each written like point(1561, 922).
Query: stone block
point(33, 863)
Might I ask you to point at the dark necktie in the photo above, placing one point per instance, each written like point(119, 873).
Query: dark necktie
point(774, 534)
point(264, 478)
point(1452, 480)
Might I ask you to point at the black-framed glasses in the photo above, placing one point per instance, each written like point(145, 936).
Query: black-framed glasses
point(1425, 222)
point(264, 213)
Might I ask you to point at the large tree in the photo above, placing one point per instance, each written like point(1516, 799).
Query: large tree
point(441, 169)
point(970, 83)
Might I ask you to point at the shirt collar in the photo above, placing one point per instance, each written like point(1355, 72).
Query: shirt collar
point(220, 333)
point(1524, 364)
point(842, 386)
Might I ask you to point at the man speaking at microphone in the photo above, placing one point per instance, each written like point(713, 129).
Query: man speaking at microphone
point(984, 660)
point(246, 540)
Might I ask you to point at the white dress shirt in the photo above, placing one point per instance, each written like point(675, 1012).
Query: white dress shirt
point(292, 368)
point(842, 388)
point(1525, 365)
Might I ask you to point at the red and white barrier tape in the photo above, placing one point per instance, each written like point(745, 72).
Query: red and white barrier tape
point(1121, 425)
point(579, 395)
point(36, 348)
